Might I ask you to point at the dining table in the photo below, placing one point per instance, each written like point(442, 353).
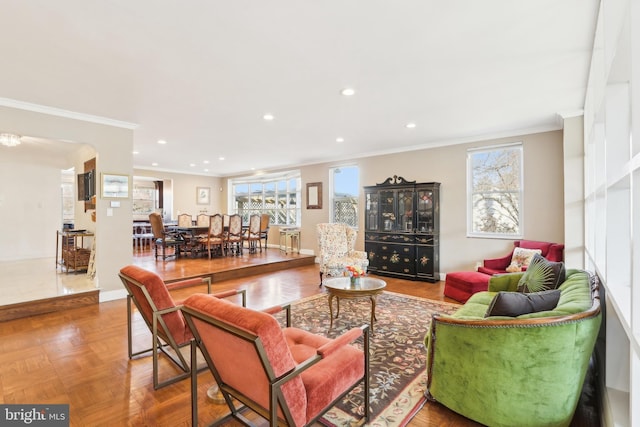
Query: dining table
point(190, 234)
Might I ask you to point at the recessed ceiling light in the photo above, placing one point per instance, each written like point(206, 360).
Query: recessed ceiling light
point(410, 125)
point(339, 139)
point(162, 141)
point(136, 152)
point(154, 164)
point(206, 170)
point(206, 162)
point(220, 158)
point(193, 165)
point(268, 117)
point(348, 91)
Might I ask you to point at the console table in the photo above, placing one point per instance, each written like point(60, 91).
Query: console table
point(288, 237)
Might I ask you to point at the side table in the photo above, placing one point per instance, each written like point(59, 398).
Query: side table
point(364, 287)
point(288, 237)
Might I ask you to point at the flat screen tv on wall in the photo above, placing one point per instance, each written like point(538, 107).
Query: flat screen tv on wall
point(86, 185)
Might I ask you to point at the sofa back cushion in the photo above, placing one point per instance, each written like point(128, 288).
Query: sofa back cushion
point(542, 275)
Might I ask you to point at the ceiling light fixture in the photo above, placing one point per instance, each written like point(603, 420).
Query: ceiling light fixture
point(9, 139)
point(339, 139)
point(411, 125)
point(268, 117)
point(348, 91)
point(162, 141)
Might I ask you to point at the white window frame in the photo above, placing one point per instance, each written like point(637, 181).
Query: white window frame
point(266, 179)
point(332, 193)
point(471, 208)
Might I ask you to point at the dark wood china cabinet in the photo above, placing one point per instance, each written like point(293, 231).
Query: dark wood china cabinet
point(402, 228)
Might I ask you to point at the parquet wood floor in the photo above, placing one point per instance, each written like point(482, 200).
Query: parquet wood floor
point(79, 357)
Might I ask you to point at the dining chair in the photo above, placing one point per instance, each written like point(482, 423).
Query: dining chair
point(163, 238)
point(203, 220)
point(252, 234)
point(233, 240)
point(287, 376)
point(215, 236)
point(265, 221)
point(162, 315)
point(185, 220)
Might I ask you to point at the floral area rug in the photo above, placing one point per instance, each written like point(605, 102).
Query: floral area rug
point(398, 356)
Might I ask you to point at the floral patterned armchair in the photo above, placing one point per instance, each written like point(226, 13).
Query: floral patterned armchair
point(336, 245)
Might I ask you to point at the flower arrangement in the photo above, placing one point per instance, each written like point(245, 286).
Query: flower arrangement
point(354, 271)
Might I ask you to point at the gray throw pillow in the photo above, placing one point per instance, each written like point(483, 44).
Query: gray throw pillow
point(542, 275)
point(514, 304)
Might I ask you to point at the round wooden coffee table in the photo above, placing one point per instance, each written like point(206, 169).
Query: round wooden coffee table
point(365, 287)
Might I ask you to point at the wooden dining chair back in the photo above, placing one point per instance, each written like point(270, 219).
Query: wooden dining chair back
point(234, 235)
point(287, 376)
point(214, 238)
point(202, 220)
point(185, 220)
point(163, 238)
point(162, 315)
point(252, 234)
point(265, 221)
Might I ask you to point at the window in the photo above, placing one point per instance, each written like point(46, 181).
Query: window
point(277, 195)
point(345, 187)
point(494, 191)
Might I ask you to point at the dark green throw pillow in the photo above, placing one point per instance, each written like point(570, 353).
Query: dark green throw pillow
point(514, 304)
point(542, 275)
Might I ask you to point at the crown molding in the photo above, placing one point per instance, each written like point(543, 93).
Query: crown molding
point(21, 105)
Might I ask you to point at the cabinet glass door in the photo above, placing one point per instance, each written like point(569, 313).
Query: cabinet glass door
point(387, 211)
point(405, 211)
point(425, 211)
point(372, 200)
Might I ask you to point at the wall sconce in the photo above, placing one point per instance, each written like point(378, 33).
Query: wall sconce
point(9, 139)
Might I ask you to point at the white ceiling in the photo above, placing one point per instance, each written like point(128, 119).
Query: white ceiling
point(201, 74)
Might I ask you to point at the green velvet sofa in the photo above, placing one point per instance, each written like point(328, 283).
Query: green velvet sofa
point(515, 371)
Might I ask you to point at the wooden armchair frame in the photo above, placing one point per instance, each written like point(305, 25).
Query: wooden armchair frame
point(278, 404)
point(163, 337)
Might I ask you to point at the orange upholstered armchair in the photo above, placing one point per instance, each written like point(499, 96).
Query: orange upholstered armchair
point(551, 251)
point(162, 314)
point(287, 376)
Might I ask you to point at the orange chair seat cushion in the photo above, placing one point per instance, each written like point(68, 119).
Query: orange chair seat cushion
point(327, 379)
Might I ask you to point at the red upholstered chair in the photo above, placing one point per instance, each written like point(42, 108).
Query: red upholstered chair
point(551, 251)
point(287, 376)
point(162, 314)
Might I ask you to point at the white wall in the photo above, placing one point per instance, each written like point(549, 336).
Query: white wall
point(30, 196)
point(113, 146)
point(184, 192)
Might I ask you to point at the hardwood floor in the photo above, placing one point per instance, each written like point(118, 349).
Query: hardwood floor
point(79, 356)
